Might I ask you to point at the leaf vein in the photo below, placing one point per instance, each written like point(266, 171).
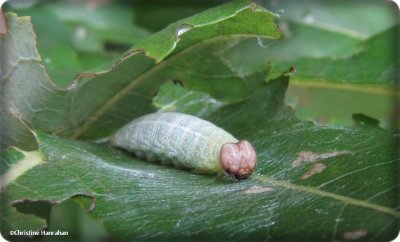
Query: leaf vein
point(316, 191)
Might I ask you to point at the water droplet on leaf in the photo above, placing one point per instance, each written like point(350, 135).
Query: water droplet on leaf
point(182, 29)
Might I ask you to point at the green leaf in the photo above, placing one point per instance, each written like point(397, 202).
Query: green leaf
point(335, 104)
point(15, 162)
point(54, 45)
point(301, 41)
point(342, 16)
point(342, 51)
point(98, 103)
point(173, 97)
point(320, 175)
point(368, 76)
point(12, 162)
point(315, 30)
point(331, 65)
point(365, 69)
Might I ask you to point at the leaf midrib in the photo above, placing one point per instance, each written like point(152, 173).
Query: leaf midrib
point(316, 191)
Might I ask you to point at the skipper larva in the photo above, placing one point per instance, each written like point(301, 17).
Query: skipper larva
point(186, 141)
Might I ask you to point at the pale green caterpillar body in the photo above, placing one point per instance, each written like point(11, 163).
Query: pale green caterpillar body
point(186, 141)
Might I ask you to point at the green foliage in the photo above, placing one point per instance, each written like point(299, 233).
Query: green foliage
point(312, 182)
point(98, 103)
point(332, 45)
point(141, 200)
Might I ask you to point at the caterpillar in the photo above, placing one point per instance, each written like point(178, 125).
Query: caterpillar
point(186, 142)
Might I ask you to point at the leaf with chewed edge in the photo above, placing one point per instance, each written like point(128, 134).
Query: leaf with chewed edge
point(14, 163)
point(324, 184)
point(98, 103)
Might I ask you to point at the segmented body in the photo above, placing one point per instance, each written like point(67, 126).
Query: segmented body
point(184, 140)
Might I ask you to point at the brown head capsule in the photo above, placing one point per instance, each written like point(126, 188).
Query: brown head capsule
point(238, 159)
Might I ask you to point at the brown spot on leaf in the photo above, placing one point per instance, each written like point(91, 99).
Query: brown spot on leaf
point(356, 234)
point(257, 189)
point(316, 168)
point(309, 156)
point(304, 156)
